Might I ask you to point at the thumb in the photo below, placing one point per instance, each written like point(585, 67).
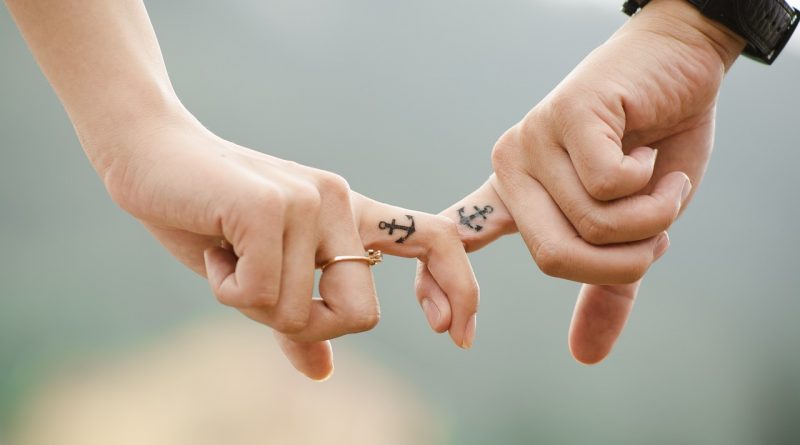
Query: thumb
point(600, 315)
point(312, 359)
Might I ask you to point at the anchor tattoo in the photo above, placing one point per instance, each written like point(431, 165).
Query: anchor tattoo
point(479, 213)
point(392, 226)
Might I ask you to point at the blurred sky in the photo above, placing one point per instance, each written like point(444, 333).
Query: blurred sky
point(405, 99)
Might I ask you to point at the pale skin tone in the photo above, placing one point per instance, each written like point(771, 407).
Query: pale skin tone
point(578, 177)
point(256, 226)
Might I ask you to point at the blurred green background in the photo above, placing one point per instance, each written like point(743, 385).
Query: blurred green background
point(405, 100)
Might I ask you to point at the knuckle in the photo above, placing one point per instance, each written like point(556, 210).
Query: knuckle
point(333, 185)
point(550, 259)
point(504, 153)
point(595, 228)
point(307, 199)
point(444, 228)
point(554, 111)
point(603, 185)
point(533, 126)
point(269, 198)
point(562, 108)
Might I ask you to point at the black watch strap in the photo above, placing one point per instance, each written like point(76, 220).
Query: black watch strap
point(766, 25)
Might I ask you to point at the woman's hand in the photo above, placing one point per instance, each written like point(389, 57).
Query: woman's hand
point(257, 227)
point(196, 193)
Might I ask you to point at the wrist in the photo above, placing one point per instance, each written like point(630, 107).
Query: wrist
point(680, 20)
point(109, 133)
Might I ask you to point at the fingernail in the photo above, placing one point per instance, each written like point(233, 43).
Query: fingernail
point(432, 312)
point(661, 246)
point(687, 187)
point(469, 332)
point(655, 156)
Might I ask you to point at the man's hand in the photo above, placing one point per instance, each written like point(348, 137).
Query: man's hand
point(602, 310)
point(596, 173)
point(585, 157)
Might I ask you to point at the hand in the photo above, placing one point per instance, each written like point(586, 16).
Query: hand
point(581, 169)
point(596, 173)
point(278, 221)
point(195, 191)
point(482, 217)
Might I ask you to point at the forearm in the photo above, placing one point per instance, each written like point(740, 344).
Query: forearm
point(103, 60)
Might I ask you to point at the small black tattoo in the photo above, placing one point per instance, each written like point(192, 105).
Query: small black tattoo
point(466, 220)
point(392, 226)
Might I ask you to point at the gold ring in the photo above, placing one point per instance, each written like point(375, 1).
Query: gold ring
point(371, 257)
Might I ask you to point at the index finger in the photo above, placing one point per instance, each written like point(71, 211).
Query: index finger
point(559, 250)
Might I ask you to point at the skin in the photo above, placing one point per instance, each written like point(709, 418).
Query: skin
point(594, 175)
point(578, 177)
point(256, 226)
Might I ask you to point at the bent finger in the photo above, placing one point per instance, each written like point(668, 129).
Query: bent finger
point(558, 249)
point(432, 299)
point(256, 257)
point(632, 218)
point(435, 241)
point(291, 313)
point(605, 171)
point(487, 221)
point(349, 302)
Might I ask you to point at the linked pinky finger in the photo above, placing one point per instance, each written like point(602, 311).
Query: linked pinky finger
point(435, 241)
point(432, 299)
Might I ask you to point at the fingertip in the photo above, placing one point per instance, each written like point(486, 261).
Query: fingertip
point(219, 263)
point(433, 315)
point(599, 318)
point(674, 189)
point(469, 332)
point(645, 156)
point(675, 181)
point(685, 191)
point(661, 245)
point(318, 362)
point(322, 373)
point(433, 301)
point(312, 359)
point(586, 356)
point(589, 360)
